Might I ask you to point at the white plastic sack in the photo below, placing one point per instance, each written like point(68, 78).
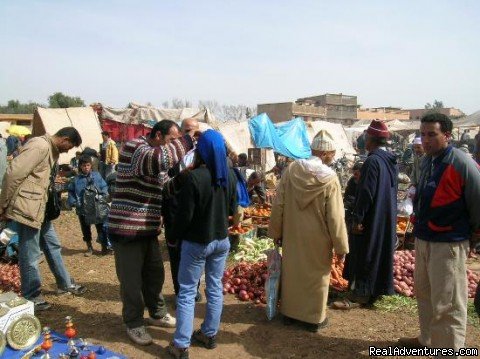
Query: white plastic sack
point(405, 207)
point(272, 284)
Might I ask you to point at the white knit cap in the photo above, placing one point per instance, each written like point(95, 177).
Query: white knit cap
point(323, 142)
point(417, 141)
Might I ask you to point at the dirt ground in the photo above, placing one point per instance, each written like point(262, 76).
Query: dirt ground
point(244, 331)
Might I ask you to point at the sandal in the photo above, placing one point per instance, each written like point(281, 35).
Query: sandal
point(345, 305)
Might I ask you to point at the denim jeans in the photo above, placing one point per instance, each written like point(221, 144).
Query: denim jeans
point(31, 240)
point(87, 232)
point(195, 258)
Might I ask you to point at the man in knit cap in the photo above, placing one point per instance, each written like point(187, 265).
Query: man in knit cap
point(370, 263)
point(308, 219)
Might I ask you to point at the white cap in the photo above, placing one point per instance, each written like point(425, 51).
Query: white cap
point(323, 142)
point(417, 141)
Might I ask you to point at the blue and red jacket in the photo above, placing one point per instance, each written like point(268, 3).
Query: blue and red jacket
point(447, 203)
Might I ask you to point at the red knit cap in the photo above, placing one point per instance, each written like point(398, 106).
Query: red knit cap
point(378, 129)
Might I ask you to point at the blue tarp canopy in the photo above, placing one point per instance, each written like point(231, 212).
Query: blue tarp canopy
point(289, 138)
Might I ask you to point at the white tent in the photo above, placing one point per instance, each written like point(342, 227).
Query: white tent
point(237, 134)
point(137, 114)
point(84, 119)
point(472, 120)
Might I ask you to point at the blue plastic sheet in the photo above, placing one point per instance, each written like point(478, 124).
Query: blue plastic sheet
point(289, 139)
point(60, 347)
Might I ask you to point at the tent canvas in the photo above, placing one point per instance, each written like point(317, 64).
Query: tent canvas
point(84, 119)
point(336, 130)
point(237, 134)
point(148, 115)
point(468, 121)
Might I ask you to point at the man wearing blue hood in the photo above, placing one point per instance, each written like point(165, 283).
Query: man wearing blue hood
point(371, 256)
point(207, 197)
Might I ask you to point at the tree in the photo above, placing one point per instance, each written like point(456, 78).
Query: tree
point(59, 100)
point(15, 106)
point(436, 105)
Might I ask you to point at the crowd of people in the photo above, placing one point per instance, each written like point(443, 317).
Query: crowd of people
point(188, 183)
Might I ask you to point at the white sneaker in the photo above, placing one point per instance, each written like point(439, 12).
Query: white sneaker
point(139, 335)
point(166, 322)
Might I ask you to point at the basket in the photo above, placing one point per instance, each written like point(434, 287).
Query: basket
point(236, 239)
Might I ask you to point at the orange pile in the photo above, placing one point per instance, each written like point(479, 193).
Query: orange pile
point(240, 229)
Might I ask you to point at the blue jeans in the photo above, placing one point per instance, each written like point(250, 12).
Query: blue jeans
point(194, 259)
point(31, 240)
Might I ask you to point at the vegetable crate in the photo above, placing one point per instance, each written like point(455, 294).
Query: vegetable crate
point(238, 235)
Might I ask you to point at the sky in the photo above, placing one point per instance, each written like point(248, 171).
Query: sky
point(396, 53)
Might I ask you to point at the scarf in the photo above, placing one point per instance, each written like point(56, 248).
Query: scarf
point(212, 150)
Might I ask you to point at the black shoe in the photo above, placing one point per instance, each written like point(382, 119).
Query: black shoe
point(316, 327)
point(288, 320)
point(40, 304)
point(198, 297)
point(208, 342)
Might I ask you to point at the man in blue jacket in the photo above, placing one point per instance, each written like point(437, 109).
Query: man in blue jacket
point(447, 209)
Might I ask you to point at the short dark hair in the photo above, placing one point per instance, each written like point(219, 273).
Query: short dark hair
point(163, 127)
point(84, 159)
point(242, 156)
point(379, 141)
point(105, 133)
point(72, 134)
point(445, 122)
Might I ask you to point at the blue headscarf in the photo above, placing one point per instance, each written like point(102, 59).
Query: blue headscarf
point(212, 150)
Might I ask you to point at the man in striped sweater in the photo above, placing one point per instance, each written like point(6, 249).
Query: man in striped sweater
point(134, 225)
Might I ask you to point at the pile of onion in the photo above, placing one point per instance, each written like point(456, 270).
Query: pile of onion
point(246, 281)
point(403, 267)
point(9, 277)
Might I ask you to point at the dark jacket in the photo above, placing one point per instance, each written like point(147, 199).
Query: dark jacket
point(76, 188)
point(447, 203)
point(203, 208)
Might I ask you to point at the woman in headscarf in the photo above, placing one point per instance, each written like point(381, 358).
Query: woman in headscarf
point(207, 197)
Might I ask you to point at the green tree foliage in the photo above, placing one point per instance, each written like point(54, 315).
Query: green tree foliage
point(435, 106)
point(59, 100)
point(15, 106)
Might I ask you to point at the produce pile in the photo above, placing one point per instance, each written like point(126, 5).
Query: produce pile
point(252, 250)
point(403, 267)
point(242, 228)
point(9, 278)
point(261, 210)
point(336, 280)
point(246, 281)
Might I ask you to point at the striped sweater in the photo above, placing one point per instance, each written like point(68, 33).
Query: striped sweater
point(136, 204)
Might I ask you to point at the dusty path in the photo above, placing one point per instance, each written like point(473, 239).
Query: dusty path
point(244, 332)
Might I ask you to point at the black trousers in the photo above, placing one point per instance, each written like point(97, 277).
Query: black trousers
point(139, 267)
point(87, 231)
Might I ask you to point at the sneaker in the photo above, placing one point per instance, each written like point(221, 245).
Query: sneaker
point(139, 335)
point(313, 328)
point(89, 252)
point(208, 342)
point(166, 322)
point(106, 250)
point(75, 289)
point(178, 353)
point(40, 304)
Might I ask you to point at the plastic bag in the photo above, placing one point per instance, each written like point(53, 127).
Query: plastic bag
point(272, 284)
point(406, 206)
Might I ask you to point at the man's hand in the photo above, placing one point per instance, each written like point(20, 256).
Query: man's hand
point(358, 228)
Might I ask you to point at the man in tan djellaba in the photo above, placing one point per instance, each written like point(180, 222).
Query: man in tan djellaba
point(308, 219)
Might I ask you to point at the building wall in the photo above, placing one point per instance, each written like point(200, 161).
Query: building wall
point(417, 114)
point(278, 112)
point(382, 114)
